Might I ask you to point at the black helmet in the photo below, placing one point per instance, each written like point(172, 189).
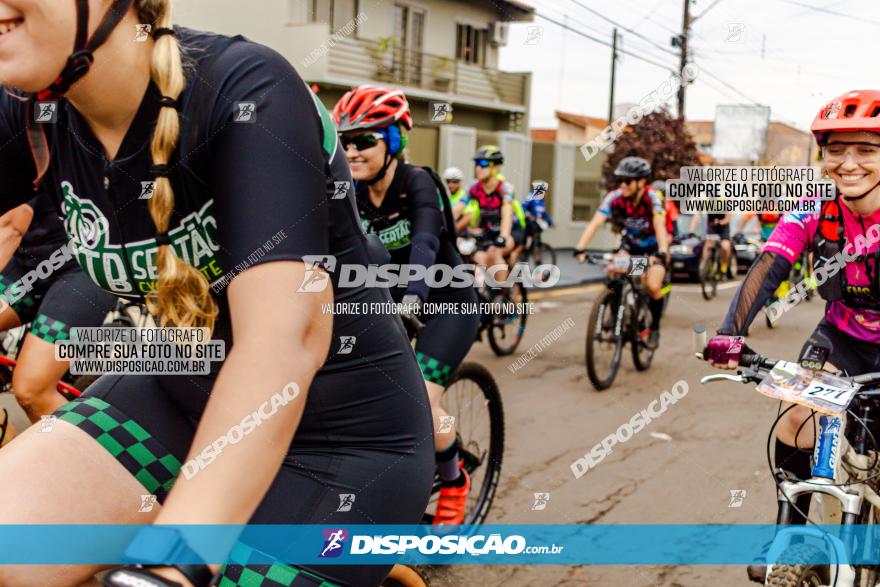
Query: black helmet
point(633, 167)
point(489, 153)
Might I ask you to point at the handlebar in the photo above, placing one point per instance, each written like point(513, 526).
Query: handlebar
point(412, 324)
point(757, 364)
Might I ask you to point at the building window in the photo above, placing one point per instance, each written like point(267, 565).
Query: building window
point(338, 13)
point(470, 44)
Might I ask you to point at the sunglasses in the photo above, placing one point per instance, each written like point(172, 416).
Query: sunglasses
point(453, 181)
point(361, 142)
point(627, 180)
point(483, 163)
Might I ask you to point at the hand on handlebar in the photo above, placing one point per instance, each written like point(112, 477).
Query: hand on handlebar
point(580, 255)
point(500, 241)
point(724, 351)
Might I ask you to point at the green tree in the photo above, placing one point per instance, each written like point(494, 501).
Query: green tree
point(661, 139)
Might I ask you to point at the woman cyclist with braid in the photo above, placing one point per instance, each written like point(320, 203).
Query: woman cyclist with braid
point(843, 238)
point(244, 159)
point(43, 285)
point(401, 203)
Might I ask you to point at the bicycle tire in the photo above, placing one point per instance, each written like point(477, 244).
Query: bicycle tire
point(642, 355)
point(498, 326)
point(541, 254)
point(709, 276)
point(470, 450)
point(404, 576)
point(605, 301)
point(796, 575)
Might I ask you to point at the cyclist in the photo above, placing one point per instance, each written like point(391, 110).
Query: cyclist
point(849, 333)
point(637, 211)
point(462, 209)
point(671, 208)
point(767, 221)
point(43, 285)
point(715, 224)
point(536, 216)
point(227, 194)
point(500, 220)
point(402, 204)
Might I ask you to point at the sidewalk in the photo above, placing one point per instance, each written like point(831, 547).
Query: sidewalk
point(574, 273)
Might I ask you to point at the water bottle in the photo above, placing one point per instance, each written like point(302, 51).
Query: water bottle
point(827, 448)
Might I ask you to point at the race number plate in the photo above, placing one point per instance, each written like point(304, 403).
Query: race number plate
point(820, 391)
point(840, 396)
point(620, 262)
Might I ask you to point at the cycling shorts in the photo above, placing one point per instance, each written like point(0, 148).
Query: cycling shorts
point(66, 299)
point(852, 355)
point(722, 230)
point(518, 233)
point(447, 337)
point(147, 423)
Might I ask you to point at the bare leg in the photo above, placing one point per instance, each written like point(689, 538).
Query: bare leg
point(36, 376)
point(64, 477)
point(442, 440)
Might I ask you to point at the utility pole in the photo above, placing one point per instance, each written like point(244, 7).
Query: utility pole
point(682, 46)
point(613, 72)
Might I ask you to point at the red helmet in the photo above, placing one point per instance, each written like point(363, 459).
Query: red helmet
point(372, 107)
point(854, 111)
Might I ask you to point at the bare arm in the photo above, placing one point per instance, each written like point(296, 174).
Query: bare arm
point(695, 221)
point(13, 225)
point(591, 230)
point(660, 230)
point(272, 350)
point(506, 219)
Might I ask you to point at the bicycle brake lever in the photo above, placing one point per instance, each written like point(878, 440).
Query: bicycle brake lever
point(723, 377)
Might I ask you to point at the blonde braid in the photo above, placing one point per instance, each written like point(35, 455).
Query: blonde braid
point(182, 296)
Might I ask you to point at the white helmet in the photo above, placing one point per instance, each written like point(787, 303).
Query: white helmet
point(453, 174)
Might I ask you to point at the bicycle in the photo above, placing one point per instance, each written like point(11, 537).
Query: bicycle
point(850, 481)
point(505, 322)
point(710, 267)
point(620, 315)
point(473, 399)
point(536, 251)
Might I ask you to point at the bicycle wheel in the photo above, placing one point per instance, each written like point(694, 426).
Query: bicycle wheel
point(404, 576)
point(541, 254)
point(709, 276)
point(506, 329)
point(641, 321)
point(472, 398)
point(604, 340)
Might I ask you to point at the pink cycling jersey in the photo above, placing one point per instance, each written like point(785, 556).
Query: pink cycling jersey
point(790, 238)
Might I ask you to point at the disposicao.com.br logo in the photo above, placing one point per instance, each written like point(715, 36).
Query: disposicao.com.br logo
point(454, 544)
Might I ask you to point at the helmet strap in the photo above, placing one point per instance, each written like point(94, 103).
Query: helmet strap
point(80, 61)
point(856, 198)
point(381, 174)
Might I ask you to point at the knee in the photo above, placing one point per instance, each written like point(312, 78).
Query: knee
point(794, 421)
point(28, 387)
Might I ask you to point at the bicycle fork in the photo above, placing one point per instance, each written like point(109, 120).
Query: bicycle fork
point(827, 458)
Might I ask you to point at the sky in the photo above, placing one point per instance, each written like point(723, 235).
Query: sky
point(779, 53)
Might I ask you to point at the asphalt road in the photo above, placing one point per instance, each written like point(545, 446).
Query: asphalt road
point(680, 469)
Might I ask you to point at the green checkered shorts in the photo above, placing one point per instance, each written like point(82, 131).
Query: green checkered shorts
point(141, 454)
point(49, 329)
point(25, 307)
point(249, 567)
point(433, 370)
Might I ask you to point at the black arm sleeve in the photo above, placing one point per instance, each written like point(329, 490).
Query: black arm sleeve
point(427, 226)
point(268, 176)
point(17, 171)
point(763, 278)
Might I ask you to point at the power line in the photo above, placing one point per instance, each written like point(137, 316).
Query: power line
point(832, 12)
point(627, 29)
point(727, 85)
point(605, 43)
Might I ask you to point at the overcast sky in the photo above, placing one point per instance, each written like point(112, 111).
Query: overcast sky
point(809, 56)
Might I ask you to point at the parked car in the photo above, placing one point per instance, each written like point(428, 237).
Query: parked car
point(747, 247)
point(686, 252)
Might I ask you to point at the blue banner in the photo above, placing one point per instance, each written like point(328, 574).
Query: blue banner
point(646, 544)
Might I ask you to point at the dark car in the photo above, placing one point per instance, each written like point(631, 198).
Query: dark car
point(747, 247)
point(685, 254)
